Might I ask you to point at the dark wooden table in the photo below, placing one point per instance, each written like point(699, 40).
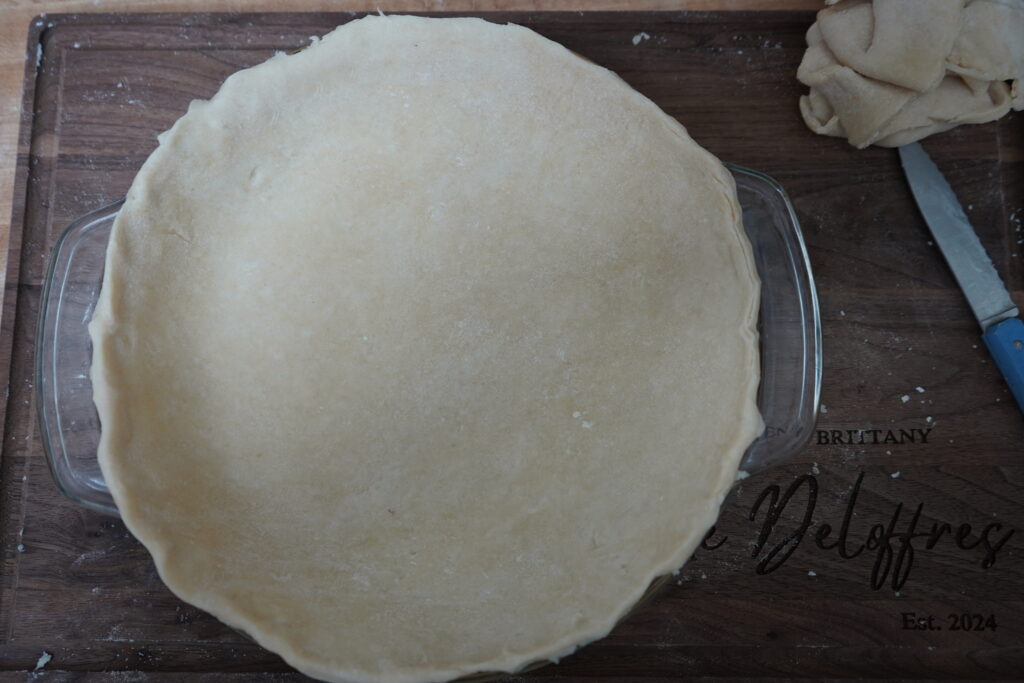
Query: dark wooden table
point(905, 591)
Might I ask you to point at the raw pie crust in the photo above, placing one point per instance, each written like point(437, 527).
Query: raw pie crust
point(423, 351)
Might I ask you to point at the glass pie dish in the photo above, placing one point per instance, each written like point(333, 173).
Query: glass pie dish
point(789, 327)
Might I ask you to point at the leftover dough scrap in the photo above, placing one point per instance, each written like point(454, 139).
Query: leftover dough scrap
point(889, 72)
point(424, 350)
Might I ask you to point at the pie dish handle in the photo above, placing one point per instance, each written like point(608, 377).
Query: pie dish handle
point(789, 325)
point(68, 423)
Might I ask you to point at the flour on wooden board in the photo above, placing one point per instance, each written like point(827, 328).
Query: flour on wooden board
point(43, 660)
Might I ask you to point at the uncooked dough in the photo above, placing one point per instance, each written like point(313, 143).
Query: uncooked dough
point(889, 72)
point(423, 351)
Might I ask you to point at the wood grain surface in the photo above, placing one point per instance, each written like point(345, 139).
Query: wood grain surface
point(17, 58)
point(877, 597)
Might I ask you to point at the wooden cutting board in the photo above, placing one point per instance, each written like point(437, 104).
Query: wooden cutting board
point(918, 421)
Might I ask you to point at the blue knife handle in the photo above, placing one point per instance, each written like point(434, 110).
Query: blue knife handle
point(1005, 342)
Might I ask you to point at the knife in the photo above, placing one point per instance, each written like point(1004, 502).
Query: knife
point(1002, 330)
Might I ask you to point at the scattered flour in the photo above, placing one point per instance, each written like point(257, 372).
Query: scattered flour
point(43, 660)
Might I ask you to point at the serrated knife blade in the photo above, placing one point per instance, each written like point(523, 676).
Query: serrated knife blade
point(956, 238)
